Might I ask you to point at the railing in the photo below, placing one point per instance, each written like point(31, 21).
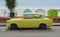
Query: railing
point(56, 20)
point(4, 19)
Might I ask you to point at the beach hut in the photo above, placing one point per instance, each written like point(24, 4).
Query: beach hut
point(40, 11)
point(52, 13)
point(27, 11)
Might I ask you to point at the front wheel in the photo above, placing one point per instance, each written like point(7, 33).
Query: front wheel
point(42, 26)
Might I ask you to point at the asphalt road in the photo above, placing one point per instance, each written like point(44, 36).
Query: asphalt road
point(51, 32)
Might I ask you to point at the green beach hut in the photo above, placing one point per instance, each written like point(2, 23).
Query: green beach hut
point(52, 13)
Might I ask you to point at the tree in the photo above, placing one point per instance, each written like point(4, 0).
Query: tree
point(11, 6)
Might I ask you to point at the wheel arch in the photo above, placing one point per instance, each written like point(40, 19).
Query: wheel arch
point(13, 24)
point(42, 24)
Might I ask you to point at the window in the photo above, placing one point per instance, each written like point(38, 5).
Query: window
point(28, 16)
point(37, 16)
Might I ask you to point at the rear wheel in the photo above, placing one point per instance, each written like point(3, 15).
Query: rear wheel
point(42, 26)
point(13, 27)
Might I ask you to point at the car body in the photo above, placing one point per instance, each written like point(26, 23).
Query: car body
point(30, 21)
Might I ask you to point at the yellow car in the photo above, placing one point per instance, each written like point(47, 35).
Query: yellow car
point(30, 21)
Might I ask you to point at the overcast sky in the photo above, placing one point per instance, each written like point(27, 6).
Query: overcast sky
point(34, 3)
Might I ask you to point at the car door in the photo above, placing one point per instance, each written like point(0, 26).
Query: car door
point(27, 23)
point(37, 20)
point(36, 23)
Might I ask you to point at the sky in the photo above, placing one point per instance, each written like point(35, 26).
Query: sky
point(33, 3)
point(37, 3)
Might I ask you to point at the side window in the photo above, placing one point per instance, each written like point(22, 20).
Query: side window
point(37, 16)
point(28, 16)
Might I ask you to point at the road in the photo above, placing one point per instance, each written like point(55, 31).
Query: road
point(54, 31)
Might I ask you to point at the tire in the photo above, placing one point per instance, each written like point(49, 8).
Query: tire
point(42, 26)
point(13, 27)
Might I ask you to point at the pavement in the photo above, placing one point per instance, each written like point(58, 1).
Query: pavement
point(54, 24)
point(54, 31)
point(3, 24)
